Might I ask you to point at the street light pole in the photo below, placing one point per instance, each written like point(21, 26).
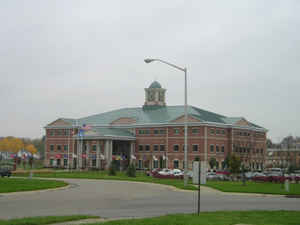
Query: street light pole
point(185, 113)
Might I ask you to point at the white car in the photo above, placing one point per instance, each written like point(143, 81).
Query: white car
point(177, 172)
point(190, 174)
point(165, 172)
point(211, 176)
point(258, 174)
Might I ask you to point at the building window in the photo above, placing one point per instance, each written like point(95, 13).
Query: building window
point(155, 164)
point(162, 131)
point(141, 148)
point(176, 164)
point(176, 131)
point(155, 148)
point(147, 147)
point(156, 131)
point(66, 132)
point(217, 131)
point(51, 132)
point(217, 148)
point(262, 151)
point(223, 131)
point(52, 147)
point(195, 148)
point(94, 162)
point(223, 149)
point(65, 147)
point(176, 148)
point(195, 131)
point(212, 148)
point(212, 131)
point(140, 164)
point(144, 131)
point(58, 147)
point(58, 132)
point(94, 147)
point(65, 162)
point(162, 148)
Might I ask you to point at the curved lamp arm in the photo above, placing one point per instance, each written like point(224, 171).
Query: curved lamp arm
point(162, 61)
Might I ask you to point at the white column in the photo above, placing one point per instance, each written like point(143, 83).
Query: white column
point(205, 144)
point(132, 151)
point(156, 98)
point(87, 154)
point(108, 152)
point(98, 154)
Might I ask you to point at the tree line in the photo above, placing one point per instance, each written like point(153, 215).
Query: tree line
point(14, 145)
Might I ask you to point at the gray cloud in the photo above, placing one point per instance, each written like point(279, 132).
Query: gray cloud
point(76, 58)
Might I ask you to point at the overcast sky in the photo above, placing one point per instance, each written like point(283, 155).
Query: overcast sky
point(77, 58)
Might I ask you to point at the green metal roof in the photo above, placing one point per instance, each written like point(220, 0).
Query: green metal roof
point(68, 120)
point(155, 84)
point(153, 115)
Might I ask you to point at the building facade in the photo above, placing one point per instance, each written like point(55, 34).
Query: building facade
point(152, 136)
point(283, 158)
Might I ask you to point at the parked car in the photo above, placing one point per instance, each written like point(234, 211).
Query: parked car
point(258, 174)
point(177, 172)
point(165, 171)
point(5, 172)
point(190, 174)
point(211, 176)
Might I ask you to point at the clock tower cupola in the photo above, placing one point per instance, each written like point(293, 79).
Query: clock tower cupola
point(155, 95)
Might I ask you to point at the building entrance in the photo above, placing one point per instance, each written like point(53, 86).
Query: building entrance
point(121, 154)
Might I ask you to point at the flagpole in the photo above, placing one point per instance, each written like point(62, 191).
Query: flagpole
point(68, 164)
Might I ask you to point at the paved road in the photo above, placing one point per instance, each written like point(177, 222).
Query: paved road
point(112, 199)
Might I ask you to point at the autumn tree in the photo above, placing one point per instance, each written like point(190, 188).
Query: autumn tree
point(234, 164)
point(11, 144)
point(31, 148)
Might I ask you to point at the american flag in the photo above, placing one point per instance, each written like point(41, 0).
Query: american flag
point(86, 127)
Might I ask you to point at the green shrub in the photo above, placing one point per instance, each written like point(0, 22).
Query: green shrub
point(112, 169)
point(131, 171)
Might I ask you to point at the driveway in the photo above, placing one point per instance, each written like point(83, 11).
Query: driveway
point(111, 199)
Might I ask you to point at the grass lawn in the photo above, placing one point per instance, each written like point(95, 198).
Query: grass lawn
point(44, 220)
point(16, 184)
point(254, 187)
point(140, 177)
point(218, 218)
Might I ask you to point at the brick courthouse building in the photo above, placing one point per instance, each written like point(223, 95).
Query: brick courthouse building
point(152, 136)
